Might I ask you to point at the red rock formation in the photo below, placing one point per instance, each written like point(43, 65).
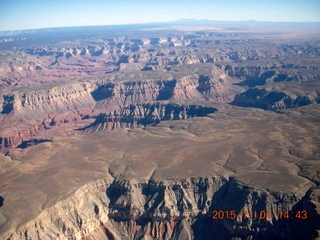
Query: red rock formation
point(47, 107)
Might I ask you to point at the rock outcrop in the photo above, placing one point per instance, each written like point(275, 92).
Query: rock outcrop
point(166, 209)
point(25, 113)
point(146, 115)
point(34, 110)
point(296, 226)
point(215, 86)
point(37, 103)
point(270, 100)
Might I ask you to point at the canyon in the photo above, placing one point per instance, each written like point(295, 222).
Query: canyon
point(147, 131)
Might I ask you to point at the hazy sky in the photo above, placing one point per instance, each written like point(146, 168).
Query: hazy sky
point(27, 14)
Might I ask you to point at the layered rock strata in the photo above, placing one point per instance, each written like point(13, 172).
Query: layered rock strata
point(167, 209)
point(146, 115)
point(31, 111)
point(271, 100)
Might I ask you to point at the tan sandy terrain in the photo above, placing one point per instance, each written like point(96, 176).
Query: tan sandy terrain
point(256, 146)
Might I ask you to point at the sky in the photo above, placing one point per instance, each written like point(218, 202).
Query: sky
point(31, 14)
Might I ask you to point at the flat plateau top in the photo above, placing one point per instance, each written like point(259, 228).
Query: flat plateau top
point(260, 148)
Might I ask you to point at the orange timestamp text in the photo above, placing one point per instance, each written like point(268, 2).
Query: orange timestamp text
point(261, 214)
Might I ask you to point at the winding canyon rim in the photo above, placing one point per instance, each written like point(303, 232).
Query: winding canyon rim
point(150, 131)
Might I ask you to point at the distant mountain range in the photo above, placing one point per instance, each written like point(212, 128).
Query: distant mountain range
point(179, 22)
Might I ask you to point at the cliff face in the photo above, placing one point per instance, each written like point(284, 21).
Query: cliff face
point(270, 100)
point(162, 209)
point(146, 115)
point(35, 104)
point(35, 110)
point(298, 228)
point(215, 87)
point(9, 139)
point(265, 72)
point(28, 112)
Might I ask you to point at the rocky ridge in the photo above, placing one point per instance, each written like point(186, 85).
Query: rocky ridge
point(164, 209)
point(272, 100)
point(146, 115)
point(34, 110)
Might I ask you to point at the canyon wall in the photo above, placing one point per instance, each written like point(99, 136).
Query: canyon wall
point(169, 209)
point(37, 103)
point(33, 110)
point(146, 115)
point(273, 100)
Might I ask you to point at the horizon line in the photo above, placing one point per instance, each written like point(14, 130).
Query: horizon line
point(179, 21)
